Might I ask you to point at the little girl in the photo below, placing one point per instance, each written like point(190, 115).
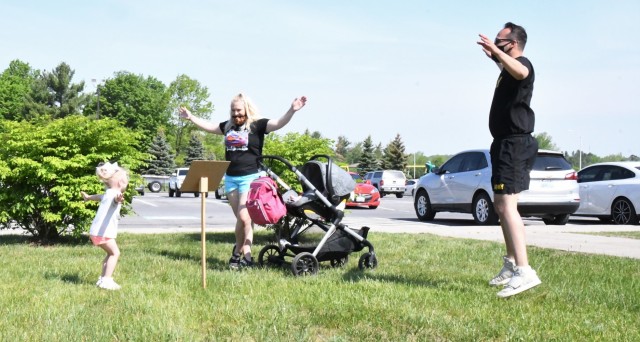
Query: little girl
point(104, 227)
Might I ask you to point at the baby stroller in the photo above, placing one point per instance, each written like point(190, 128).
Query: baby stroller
point(325, 186)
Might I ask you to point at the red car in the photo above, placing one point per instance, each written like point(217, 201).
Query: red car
point(364, 195)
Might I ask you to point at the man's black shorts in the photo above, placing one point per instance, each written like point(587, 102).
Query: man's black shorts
point(512, 159)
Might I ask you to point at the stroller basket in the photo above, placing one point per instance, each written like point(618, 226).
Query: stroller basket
point(338, 246)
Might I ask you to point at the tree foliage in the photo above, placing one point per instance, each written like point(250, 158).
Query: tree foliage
point(297, 149)
point(187, 92)
point(195, 150)
point(15, 86)
point(141, 104)
point(545, 142)
point(394, 157)
point(161, 160)
point(53, 95)
point(43, 168)
point(342, 148)
point(367, 161)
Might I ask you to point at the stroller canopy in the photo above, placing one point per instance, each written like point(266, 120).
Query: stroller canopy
point(339, 185)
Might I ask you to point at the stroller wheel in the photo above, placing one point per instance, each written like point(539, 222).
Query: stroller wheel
point(367, 260)
point(340, 262)
point(270, 256)
point(304, 264)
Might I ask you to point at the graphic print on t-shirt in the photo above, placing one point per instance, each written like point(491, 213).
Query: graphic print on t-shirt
point(237, 140)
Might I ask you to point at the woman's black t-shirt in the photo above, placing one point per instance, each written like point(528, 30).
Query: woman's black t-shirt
point(510, 110)
point(243, 145)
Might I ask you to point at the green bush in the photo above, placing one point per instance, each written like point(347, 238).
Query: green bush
point(44, 166)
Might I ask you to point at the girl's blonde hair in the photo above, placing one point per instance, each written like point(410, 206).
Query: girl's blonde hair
point(112, 175)
point(249, 109)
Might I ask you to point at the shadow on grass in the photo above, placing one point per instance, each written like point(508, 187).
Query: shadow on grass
point(356, 275)
point(226, 238)
point(66, 277)
point(36, 242)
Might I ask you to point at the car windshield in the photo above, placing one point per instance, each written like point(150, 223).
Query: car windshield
point(356, 177)
point(183, 172)
point(396, 174)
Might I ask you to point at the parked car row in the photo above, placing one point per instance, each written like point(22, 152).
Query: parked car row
point(609, 191)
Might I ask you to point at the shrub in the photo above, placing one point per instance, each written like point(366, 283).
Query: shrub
point(44, 166)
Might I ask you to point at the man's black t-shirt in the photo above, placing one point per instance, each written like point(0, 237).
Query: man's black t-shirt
point(510, 110)
point(242, 146)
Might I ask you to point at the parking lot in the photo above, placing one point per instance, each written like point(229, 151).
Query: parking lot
point(156, 212)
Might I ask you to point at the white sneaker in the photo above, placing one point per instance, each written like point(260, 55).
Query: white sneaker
point(523, 279)
point(99, 281)
point(505, 273)
point(109, 284)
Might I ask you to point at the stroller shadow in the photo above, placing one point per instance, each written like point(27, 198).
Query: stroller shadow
point(213, 263)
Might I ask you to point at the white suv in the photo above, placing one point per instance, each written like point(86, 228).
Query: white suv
point(389, 182)
point(463, 184)
point(175, 182)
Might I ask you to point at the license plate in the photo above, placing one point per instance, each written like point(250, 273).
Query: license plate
point(360, 199)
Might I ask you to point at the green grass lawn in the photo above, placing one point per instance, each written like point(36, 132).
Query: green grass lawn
point(426, 288)
point(623, 234)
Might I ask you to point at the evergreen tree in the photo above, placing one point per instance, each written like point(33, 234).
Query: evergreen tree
point(367, 161)
point(342, 147)
point(162, 161)
point(394, 157)
point(195, 150)
point(53, 95)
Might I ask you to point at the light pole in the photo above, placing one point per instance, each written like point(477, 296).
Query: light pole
point(580, 154)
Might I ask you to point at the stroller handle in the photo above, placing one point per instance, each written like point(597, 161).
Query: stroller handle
point(278, 158)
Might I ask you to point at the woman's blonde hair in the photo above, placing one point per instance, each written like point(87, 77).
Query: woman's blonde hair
point(249, 109)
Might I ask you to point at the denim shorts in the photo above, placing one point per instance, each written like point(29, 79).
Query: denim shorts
point(240, 183)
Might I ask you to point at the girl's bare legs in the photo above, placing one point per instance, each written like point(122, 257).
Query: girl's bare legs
point(111, 260)
point(244, 231)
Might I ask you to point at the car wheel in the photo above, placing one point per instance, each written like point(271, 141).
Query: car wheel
point(423, 208)
point(558, 220)
point(178, 193)
point(196, 194)
point(399, 195)
point(171, 192)
point(373, 206)
point(217, 193)
point(483, 211)
point(154, 186)
point(622, 212)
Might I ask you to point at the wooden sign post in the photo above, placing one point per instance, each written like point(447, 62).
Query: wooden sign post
point(204, 176)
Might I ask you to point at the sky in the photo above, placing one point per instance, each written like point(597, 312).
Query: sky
point(377, 68)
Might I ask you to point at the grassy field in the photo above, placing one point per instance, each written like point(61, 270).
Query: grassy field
point(623, 234)
point(426, 288)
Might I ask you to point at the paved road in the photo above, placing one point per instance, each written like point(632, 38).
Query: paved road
point(159, 213)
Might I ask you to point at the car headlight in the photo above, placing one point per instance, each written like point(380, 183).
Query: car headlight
point(374, 190)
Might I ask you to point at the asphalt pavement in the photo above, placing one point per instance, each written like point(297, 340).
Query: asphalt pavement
point(574, 236)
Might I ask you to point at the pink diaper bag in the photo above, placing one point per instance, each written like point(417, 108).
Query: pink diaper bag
point(264, 202)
